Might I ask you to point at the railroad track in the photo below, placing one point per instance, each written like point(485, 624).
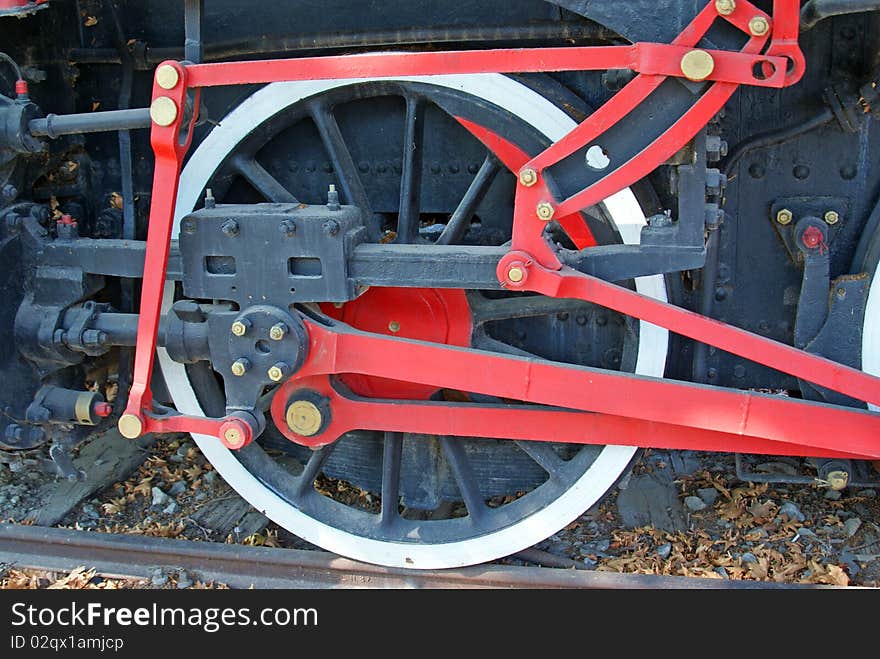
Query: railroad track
point(135, 556)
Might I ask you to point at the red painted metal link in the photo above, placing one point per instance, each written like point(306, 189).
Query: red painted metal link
point(568, 283)
point(514, 422)
point(764, 421)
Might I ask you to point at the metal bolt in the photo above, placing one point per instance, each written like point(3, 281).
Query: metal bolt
point(163, 111)
point(516, 274)
point(784, 216)
point(278, 372)
point(167, 76)
point(725, 7)
point(759, 26)
point(210, 202)
point(278, 331)
point(394, 326)
point(331, 227)
point(832, 217)
point(240, 327)
point(528, 177)
point(188, 226)
point(240, 367)
point(333, 198)
point(545, 211)
point(130, 426)
point(697, 65)
point(230, 228)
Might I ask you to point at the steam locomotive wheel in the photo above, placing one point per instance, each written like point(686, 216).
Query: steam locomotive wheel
point(434, 502)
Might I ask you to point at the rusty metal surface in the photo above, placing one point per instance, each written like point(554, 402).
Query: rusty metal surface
point(261, 567)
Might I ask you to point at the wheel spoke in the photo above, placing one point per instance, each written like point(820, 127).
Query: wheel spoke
point(353, 191)
point(312, 469)
point(486, 310)
point(544, 455)
point(464, 478)
point(411, 176)
point(391, 453)
point(264, 183)
point(461, 217)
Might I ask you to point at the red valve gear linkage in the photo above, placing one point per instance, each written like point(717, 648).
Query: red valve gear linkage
point(656, 412)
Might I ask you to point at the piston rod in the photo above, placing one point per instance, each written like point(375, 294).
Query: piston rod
point(54, 126)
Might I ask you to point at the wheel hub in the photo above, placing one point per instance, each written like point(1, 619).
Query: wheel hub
point(422, 314)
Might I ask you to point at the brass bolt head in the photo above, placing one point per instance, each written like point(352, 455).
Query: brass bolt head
point(545, 211)
point(163, 111)
point(239, 328)
point(304, 418)
point(837, 480)
point(759, 26)
point(784, 216)
point(516, 274)
point(167, 76)
point(278, 331)
point(240, 367)
point(130, 426)
point(697, 65)
point(277, 372)
point(232, 438)
point(832, 217)
point(394, 326)
point(528, 177)
point(725, 7)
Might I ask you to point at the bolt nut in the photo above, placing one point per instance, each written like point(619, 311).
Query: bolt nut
point(725, 7)
point(287, 228)
point(394, 326)
point(784, 216)
point(759, 26)
point(528, 177)
point(697, 65)
point(167, 76)
point(240, 367)
point(278, 331)
point(240, 327)
point(545, 211)
point(163, 111)
point(278, 372)
point(832, 217)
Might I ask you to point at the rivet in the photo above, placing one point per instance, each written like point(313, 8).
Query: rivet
point(167, 76)
point(163, 111)
point(697, 65)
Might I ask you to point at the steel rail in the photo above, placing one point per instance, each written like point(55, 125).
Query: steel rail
point(237, 566)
